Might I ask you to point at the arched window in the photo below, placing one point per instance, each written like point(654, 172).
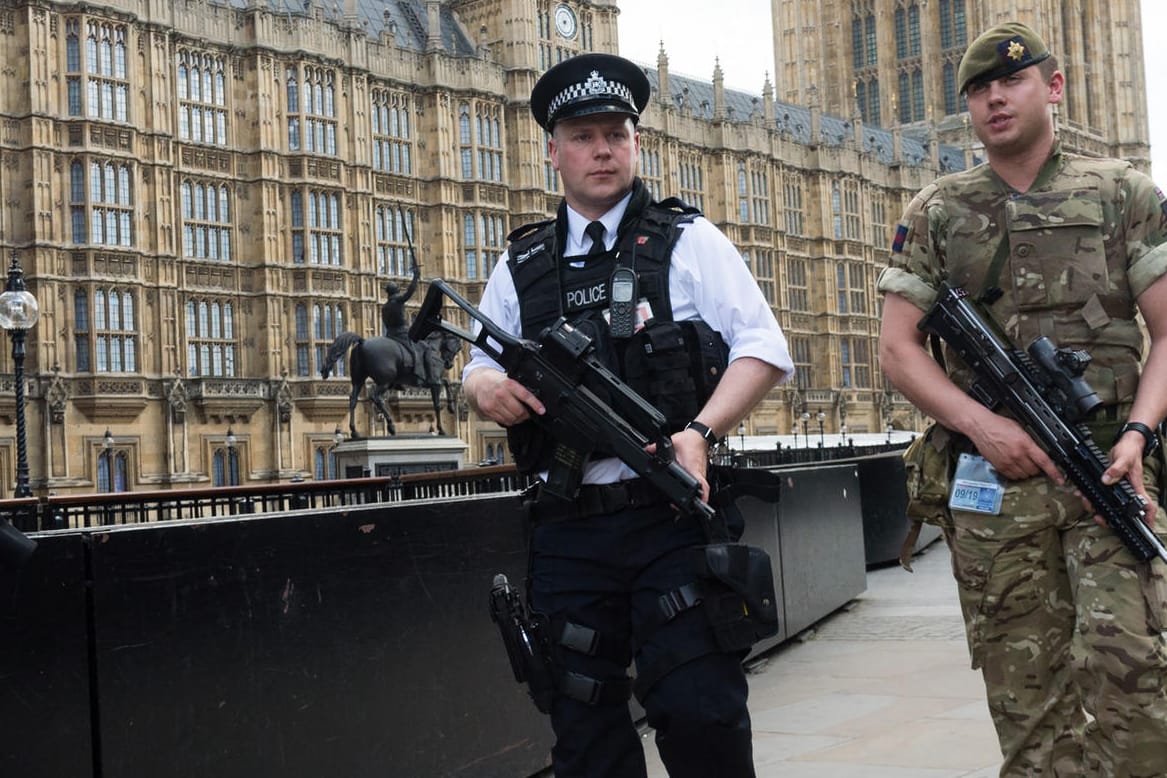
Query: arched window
point(210, 337)
point(225, 466)
point(112, 471)
point(104, 327)
point(96, 76)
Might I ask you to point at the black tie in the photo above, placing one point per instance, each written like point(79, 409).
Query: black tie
point(595, 231)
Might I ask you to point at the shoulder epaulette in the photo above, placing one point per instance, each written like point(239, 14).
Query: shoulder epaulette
point(518, 233)
point(677, 204)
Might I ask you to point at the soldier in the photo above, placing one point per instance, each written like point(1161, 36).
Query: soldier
point(671, 307)
point(1066, 627)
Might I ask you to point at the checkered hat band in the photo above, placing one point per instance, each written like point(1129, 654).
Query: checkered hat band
point(594, 87)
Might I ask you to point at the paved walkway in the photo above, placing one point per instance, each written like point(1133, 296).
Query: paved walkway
point(880, 689)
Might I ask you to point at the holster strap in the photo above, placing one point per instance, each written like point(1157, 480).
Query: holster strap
point(680, 599)
point(580, 639)
point(593, 692)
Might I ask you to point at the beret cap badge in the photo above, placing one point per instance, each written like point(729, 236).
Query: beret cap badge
point(999, 51)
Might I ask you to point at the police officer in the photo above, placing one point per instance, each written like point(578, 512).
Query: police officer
point(608, 568)
point(1066, 626)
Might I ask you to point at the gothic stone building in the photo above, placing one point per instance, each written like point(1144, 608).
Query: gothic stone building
point(203, 195)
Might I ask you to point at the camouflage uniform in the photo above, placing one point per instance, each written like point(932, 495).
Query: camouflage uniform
point(1062, 621)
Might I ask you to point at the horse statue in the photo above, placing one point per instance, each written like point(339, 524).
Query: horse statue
point(388, 363)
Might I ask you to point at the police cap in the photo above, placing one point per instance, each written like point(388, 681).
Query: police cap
point(589, 84)
point(999, 51)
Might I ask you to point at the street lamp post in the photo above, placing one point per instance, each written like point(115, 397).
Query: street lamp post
point(794, 432)
point(231, 466)
point(18, 313)
point(889, 429)
point(821, 418)
point(337, 439)
point(741, 436)
point(842, 434)
point(106, 470)
point(805, 429)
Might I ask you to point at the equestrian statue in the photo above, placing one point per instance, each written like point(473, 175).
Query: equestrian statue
point(394, 361)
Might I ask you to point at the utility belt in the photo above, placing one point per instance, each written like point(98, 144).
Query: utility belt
point(592, 500)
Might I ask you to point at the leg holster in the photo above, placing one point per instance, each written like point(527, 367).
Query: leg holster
point(744, 609)
point(735, 589)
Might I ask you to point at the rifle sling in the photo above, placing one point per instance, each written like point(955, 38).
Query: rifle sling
point(992, 280)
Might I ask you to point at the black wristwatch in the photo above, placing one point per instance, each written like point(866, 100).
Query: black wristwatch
point(1150, 439)
point(704, 431)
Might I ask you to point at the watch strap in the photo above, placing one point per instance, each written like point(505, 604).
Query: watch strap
point(704, 431)
point(1150, 439)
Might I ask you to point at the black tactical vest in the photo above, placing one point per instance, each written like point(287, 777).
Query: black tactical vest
point(673, 365)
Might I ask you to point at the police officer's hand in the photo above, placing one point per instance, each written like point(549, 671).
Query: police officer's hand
point(501, 399)
point(692, 452)
point(1010, 449)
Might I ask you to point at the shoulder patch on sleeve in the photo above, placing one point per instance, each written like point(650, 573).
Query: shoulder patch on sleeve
point(897, 244)
point(1162, 200)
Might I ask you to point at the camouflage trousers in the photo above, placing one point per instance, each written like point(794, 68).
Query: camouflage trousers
point(1069, 633)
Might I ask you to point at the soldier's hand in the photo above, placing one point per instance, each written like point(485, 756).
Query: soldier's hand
point(1011, 450)
point(1126, 461)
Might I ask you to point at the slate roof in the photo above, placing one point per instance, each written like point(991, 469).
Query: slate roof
point(408, 21)
point(407, 18)
point(695, 97)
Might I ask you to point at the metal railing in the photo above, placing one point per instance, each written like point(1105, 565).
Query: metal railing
point(808, 455)
point(108, 509)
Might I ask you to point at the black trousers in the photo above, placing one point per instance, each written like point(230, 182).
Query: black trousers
point(607, 572)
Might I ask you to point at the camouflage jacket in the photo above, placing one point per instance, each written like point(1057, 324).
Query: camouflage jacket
point(1088, 237)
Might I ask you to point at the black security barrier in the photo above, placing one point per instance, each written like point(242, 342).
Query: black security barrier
point(345, 641)
point(46, 688)
point(885, 522)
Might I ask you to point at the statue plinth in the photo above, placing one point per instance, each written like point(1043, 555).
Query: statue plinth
point(398, 455)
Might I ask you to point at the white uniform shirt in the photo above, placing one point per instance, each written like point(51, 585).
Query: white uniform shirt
point(708, 280)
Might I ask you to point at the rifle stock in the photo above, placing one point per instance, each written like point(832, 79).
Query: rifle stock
point(588, 407)
point(1043, 390)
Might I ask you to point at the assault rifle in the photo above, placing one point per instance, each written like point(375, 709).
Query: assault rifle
point(588, 407)
point(1044, 391)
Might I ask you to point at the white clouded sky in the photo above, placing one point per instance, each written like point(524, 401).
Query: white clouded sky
point(738, 34)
